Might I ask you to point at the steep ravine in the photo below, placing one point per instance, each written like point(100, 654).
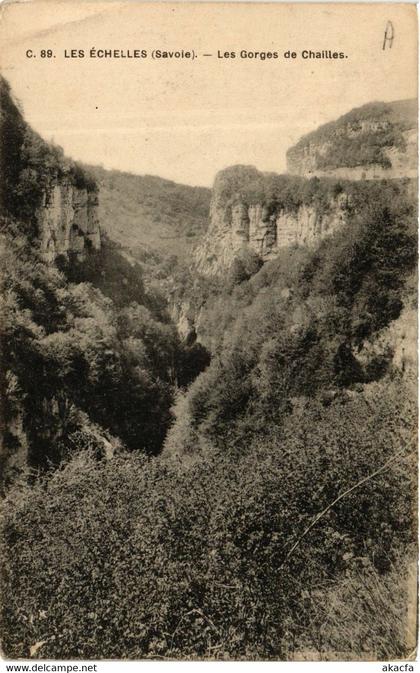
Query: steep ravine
point(53, 202)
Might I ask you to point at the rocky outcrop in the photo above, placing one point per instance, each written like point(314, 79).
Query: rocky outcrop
point(185, 319)
point(376, 141)
point(260, 213)
point(52, 196)
point(68, 220)
point(399, 340)
point(400, 163)
point(260, 221)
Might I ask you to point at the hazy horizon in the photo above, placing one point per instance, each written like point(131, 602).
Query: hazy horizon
point(185, 121)
point(209, 186)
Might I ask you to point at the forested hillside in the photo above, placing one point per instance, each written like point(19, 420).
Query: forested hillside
point(90, 357)
point(246, 493)
point(150, 213)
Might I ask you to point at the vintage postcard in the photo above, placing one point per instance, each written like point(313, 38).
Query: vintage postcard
point(208, 331)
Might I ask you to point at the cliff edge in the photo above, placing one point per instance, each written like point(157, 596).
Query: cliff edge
point(260, 213)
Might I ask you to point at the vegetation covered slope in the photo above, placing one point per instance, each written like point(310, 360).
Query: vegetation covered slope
point(27, 164)
point(137, 558)
point(87, 350)
point(298, 326)
point(226, 554)
point(287, 528)
point(148, 212)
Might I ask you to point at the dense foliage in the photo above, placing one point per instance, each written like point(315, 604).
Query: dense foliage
point(28, 165)
point(278, 522)
point(86, 347)
point(298, 327)
point(275, 192)
point(147, 558)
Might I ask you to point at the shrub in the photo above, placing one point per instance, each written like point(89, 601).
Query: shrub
point(146, 558)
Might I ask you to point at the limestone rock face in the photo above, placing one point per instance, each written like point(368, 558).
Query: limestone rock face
point(402, 163)
point(184, 320)
point(376, 141)
point(68, 220)
point(262, 230)
point(243, 220)
point(399, 338)
point(308, 225)
point(259, 213)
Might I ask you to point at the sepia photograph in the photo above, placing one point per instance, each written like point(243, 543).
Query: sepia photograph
point(208, 331)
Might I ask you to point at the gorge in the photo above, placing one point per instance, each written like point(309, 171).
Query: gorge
point(208, 402)
point(254, 218)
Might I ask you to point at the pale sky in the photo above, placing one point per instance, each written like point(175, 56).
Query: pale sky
point(185, 120)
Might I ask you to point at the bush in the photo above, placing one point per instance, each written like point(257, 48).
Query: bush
point(145, 558)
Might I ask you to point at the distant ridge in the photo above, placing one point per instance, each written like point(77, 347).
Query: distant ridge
point(152, 213)
point(377, 140)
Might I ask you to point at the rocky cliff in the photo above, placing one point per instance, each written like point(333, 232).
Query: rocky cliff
point(378, 140)
point(257, 213)
point(48, 208)
point(67, 220)
point(52, 197)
